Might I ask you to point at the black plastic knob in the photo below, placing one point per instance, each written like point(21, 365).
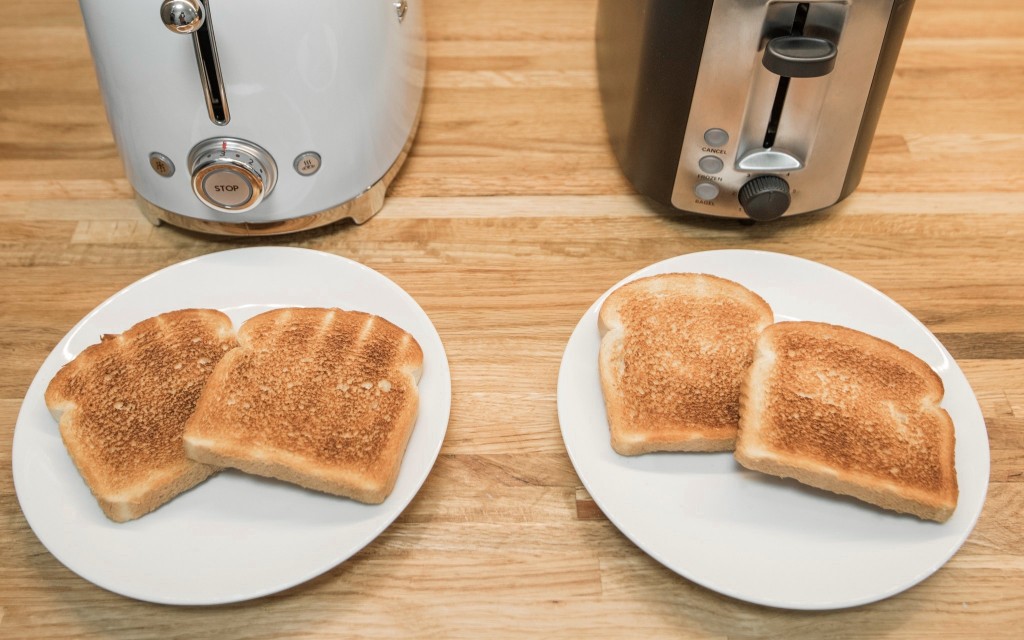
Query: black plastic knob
point(800, 56)
point(765, 198)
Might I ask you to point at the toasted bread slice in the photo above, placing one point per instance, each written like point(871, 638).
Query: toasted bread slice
point(674, 351)
point(122, 406)
point(853, 414)
point(323, 398)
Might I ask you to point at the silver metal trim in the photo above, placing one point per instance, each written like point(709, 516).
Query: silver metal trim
point(360, 208)
point(821, 118)
point(769, 160)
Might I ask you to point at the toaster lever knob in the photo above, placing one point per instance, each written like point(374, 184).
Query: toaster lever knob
point(799, 56)
point(765, 198)
point(182, 16)
point(231, 175)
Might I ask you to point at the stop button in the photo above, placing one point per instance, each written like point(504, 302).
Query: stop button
point(228, 188)
point(231, 175)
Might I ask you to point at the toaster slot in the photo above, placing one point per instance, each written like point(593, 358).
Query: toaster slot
point(799, 19)
point(776, 115)
point(209, 71)
point(797, 56)
point(192, 17)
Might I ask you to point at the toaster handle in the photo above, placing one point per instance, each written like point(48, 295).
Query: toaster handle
point(799, 56)
point(182, 16)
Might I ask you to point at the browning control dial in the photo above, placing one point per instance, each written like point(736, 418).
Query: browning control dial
point(765, 197)
point(231, 175)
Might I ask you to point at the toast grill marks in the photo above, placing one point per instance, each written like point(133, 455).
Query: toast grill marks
point(674, 359)
point(122, 405)
point(322, 398)
point(860, 415)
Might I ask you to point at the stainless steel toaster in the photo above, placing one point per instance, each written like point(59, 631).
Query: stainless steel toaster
point(257, 116)
point(746, 108)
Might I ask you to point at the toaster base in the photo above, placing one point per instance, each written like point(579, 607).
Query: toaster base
point(360, 208)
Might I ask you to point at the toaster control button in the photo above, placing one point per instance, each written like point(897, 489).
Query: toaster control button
point(308, 163)
point(706, 191)
point(161, 164)
point(716, 137)
point(710, 164)
point(765, 197)
point(227, 187)
point(231, 175)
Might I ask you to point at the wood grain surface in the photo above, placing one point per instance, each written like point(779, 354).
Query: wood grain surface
point(509, 219)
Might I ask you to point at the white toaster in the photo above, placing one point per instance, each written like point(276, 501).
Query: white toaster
point(257, 117)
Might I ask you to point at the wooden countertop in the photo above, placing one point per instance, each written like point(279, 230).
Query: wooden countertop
point(508, 221)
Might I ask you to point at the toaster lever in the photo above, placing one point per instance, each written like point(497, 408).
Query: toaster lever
point(193, 17)
point(799, 56)
point(182, 16)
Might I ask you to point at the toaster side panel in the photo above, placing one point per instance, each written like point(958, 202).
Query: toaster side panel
point(648, 55)
point(894, 33)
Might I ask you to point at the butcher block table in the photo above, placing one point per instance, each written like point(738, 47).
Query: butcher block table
point(508, 221)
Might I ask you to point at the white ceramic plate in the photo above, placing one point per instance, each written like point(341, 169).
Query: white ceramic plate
point(752, 536)
point(235, 536)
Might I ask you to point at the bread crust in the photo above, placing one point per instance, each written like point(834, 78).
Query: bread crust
point(122, 405)
point(323, 398)
point(674, 351)
point(847, 412)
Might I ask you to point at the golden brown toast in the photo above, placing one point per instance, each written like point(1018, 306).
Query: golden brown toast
point(323, 398)
point(122, 406)
point(853, 414)
point(674, 351)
